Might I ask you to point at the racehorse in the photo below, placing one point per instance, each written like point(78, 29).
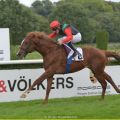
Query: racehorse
point(55, 59)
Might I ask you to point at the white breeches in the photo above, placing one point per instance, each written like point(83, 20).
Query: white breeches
point(76, 38)
point(70, 53)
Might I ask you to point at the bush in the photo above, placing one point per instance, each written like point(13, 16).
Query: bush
point(102, 39)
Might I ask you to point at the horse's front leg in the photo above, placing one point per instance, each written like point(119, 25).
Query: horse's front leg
point(38, 81)
point(49, 84)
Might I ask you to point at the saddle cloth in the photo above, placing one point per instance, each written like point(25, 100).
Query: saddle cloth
point(76, 56)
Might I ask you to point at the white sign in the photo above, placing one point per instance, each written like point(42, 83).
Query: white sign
point(4, 44)
point(14, 82)
point(87, 88)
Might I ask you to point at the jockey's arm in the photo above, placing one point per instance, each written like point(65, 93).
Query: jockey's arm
point(69, 35)
point(52, 35)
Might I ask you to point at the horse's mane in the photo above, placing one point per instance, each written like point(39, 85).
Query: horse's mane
point(41, 35)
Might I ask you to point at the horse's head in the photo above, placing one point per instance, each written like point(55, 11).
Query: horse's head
point(35, 41)
point(27, 45)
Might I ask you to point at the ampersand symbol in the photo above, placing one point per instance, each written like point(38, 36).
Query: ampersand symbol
point(2, 86)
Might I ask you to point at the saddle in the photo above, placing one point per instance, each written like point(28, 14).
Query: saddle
point(77, 56)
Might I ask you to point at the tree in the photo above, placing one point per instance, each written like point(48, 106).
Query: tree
point(77, 15)
point(42, 7)
point(20, 20)
point(90, 16)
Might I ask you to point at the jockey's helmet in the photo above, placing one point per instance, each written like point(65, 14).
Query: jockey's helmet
point(54, 24)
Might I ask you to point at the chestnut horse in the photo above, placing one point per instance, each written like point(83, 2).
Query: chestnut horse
point(55, 58)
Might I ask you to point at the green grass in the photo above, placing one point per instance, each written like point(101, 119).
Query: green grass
point(76, 107)
point(35, 55)
point(14, 50)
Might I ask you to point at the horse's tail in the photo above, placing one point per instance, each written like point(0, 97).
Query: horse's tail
point(112, 54)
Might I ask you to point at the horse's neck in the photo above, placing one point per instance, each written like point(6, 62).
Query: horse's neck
point(45, 47)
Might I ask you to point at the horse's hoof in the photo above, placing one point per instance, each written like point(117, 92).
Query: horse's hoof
point(23, 95)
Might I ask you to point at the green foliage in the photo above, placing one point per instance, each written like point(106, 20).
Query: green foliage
point(20, 20)
point(90, 16)
point(14, 50)
point(102, 40)
point(42, 7)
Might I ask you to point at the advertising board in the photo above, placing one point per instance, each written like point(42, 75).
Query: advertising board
point(14, 82)
point(4, 44)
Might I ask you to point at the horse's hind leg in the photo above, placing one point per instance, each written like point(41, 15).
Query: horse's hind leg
point(98, 70)
point(103, 83)
point(109, 79)
point(92, 77)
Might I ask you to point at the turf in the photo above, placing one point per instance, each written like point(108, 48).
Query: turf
point(76, 107)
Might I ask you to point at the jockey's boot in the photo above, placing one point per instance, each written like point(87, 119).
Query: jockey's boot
point(79, 55)
point(75, 51)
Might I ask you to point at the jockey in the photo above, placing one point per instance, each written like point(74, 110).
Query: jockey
point(69, 35)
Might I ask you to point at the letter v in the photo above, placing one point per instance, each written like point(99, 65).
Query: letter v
point(12, 86)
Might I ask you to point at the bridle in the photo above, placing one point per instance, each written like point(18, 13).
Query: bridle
point(25, 49)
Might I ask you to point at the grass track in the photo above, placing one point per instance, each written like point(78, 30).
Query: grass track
point(76, 107)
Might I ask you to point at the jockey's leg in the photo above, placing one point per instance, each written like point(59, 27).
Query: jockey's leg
point(71, 46)
point(76, 39)
point(74, 50)
point(70, 50)
point(70, 54)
